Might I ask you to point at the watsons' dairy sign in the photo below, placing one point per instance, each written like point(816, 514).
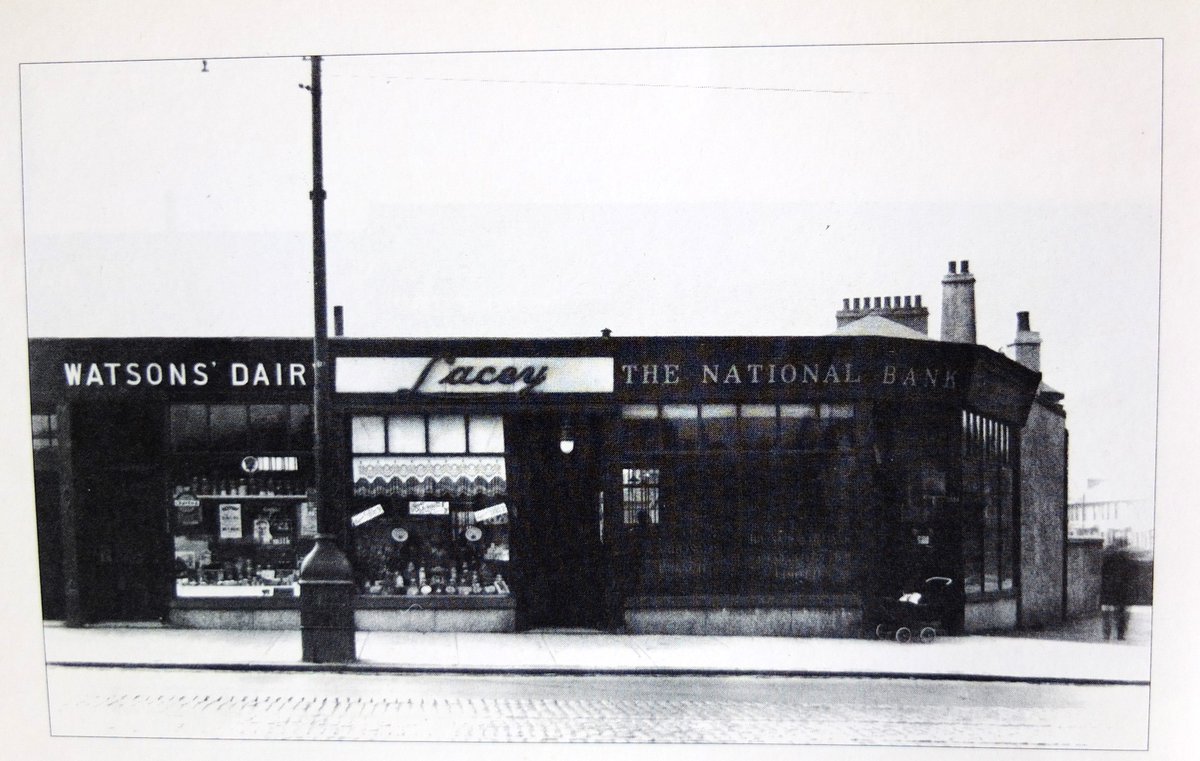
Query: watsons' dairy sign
point(474, 375)
point(184, 374)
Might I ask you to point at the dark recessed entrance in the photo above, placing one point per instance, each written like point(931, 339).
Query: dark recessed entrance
point(557, 541)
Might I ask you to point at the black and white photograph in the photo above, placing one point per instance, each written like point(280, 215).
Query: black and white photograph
point(730, 388)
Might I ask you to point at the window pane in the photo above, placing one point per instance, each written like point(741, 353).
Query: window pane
point(189, 427)
point(447, 433)
point(837, 426)
point(300, 432)
point(486, 433)
point(797, 426)
point(720, 425)
point(41, 425)
point(228, 424)
point(639, 411)
point(642, 435)
point(640, 494)
point(406, 434)
point(758, 426)
point(269, 427)
point(682, 427)
point(366, 435)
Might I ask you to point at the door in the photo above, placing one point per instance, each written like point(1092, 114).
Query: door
point(558, 543)
point(122, 544)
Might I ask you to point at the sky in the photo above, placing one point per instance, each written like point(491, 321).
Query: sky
point(710, 191)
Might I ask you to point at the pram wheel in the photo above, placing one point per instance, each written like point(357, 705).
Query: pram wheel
point(928, 634)
point(880, 631)
point(903, 634)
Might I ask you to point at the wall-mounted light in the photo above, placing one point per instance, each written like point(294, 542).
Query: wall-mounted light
point(566, 440)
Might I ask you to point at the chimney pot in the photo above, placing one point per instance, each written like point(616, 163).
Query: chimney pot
point(953, 267)
point(605, 333)
point(857, 304)
point(918, 300)
point(1023, 321)
point(877, 302)
point(907, 301)
point(958, 305)
point(846, 305)
point(887, 302)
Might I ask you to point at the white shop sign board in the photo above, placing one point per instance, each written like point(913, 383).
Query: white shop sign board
point(359, 519)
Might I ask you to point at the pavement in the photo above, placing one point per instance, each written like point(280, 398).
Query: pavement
point(1074, 653)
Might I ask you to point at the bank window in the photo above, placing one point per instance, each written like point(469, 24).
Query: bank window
point(641, 427)
point(719, 425)
point(798, 426)
point(681, 426)
point(759, 426)
point(639, 487)
point(45, 432)
point(747, 427)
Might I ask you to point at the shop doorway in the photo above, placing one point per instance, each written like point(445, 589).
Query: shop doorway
point(121, 546)
point(121, 538)
point(558, 546)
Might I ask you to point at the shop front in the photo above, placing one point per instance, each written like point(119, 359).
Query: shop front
point(676, 485)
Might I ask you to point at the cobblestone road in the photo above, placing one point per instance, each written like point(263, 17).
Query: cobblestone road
point(326, 706)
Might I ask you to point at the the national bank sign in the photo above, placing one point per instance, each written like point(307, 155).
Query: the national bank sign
point(474, 375)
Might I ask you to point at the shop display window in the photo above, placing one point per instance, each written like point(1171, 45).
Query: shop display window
point(240, 544)
point(447, 546)
point(430, 512)
point(239, 505)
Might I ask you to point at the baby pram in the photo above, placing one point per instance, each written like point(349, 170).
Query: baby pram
point(919, 613)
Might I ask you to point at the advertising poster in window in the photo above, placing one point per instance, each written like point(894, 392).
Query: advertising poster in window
point(308, 519)
point(230, 517)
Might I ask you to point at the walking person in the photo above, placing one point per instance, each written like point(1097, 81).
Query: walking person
point(1116, 572)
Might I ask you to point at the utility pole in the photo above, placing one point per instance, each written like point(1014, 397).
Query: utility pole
point(326, 581)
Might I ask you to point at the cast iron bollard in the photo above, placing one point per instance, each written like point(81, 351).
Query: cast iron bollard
point(326, 604)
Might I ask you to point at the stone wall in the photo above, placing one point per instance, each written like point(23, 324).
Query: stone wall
point(1084, 558)
point(1043, 507)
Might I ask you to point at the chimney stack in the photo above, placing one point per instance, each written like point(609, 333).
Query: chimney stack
point(1028, 345)
point(958, 304)
point(907, 312)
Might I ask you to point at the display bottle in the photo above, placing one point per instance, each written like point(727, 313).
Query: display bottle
point(204, 486)
point(243, 488)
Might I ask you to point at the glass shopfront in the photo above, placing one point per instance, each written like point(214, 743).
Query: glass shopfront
point(240, 513)
point(429, 514)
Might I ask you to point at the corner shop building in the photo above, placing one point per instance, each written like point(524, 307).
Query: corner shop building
point(684, 485)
